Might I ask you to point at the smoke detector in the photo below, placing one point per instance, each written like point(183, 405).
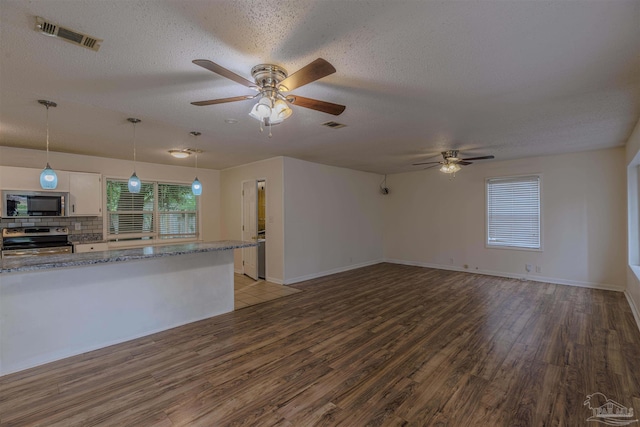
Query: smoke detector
point(50, 29)
point(333, 125)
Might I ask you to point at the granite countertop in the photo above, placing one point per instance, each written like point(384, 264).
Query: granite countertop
point(18, 264)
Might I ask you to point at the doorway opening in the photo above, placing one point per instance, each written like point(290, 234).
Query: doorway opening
point(254, 228)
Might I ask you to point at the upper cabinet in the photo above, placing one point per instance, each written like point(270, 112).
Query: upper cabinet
point(85, 194)
point(14, 178)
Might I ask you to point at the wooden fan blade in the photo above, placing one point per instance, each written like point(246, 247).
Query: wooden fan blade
point(314, 104)
point(424, 163)
point(432, 166)
point(212, 66)
point(481, 158)
point(307, 74)
point(463, 163)
point(223, 100)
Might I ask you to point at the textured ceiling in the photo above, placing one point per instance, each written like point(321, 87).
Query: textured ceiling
point(509, 78)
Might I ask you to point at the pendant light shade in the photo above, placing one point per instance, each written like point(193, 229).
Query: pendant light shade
point(196, 186)
point(48, 177)
point(134, 183)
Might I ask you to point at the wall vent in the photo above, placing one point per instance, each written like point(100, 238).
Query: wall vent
point(333, 125)
point(48, 28)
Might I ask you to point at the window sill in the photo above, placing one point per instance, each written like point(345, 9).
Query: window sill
point(514, 248)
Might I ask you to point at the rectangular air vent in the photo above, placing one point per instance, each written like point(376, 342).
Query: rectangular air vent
point(50, 29)
point(333, 125)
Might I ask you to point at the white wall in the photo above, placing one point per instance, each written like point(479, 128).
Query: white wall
point(433, 220)
point(231, 211)
point(633, 231)
point(112, 168)
point(333, 219)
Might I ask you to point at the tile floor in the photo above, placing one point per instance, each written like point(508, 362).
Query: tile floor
point(249, 292)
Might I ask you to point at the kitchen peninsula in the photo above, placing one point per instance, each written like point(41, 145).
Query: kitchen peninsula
point(52, 307)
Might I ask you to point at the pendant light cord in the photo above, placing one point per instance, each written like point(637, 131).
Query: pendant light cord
point(134, 147)
point(47, 134)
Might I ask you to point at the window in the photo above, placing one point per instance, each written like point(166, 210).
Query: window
point(513, 212)
point(159, 211)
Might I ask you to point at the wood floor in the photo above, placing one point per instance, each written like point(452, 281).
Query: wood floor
point(383, 345)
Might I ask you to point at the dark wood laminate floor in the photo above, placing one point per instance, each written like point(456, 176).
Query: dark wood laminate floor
point(382, 345)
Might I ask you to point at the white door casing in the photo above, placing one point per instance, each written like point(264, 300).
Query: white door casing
point(250, 228)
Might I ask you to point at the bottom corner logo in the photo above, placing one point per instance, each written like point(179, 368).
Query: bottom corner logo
point(607, 411)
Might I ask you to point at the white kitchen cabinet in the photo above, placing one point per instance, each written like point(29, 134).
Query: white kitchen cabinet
point(85, 194)
point(15, 178)
point(90, 247)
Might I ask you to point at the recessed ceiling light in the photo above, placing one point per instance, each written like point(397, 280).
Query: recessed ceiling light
point(180, 154)
point(231, 121)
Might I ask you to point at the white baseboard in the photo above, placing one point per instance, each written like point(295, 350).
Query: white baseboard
point(555, 281)
point(634, 308)
point(238, 271)
point(328, 272)
point(274, 280)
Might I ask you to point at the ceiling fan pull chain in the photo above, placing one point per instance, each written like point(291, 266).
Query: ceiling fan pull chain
point(270, 130)
point(261, 130)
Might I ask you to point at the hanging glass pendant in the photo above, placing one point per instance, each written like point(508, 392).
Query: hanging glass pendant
point(48, 178)
point(196, 187)
point(134, 184)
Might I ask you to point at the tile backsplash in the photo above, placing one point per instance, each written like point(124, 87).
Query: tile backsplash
point(90, 226)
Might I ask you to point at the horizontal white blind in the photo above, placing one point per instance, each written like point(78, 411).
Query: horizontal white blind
point(130, 214)
point(177, 211)
point(513, 212)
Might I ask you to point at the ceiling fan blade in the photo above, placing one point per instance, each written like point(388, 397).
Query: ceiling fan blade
point(431, 167)
point(314, 104)
point(212, 66)
point(424, 163)
point(307, 74)
point(464, 163)
point(481, 158)
point(223, 100)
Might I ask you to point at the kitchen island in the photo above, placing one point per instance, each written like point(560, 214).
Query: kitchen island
point(53, 307)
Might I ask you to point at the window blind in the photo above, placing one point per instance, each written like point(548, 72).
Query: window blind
point(177, 211)
point(513, 212)
point(159, 211)
point(128, 213)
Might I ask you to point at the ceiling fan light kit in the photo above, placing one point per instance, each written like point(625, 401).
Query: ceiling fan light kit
point(271, 81)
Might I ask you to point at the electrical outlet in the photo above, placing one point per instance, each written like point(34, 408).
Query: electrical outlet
point(527, 268)
point(77, 226)
point(538, 269)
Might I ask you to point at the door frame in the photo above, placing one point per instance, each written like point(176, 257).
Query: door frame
point(266, 208)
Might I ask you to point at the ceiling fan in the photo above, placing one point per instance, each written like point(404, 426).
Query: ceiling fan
point(272, 82)
point(451, 162)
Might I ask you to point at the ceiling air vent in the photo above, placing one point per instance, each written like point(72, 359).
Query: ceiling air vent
point(333, 125)
point(50, 29)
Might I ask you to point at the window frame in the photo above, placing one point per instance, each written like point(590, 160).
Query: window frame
point(154, 237)
point(540, 213)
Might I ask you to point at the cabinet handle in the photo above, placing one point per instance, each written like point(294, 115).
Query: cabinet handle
point(73, 208)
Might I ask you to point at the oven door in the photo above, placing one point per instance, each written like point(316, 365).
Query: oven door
point(56, 250)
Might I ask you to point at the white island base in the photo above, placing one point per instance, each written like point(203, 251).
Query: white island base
point(50, 314)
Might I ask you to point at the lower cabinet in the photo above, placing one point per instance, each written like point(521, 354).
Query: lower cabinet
point(90, 247)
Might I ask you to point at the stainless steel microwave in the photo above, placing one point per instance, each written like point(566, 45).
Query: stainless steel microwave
point(18, 203)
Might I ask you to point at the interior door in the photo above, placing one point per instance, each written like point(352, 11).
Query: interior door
point(250, 228)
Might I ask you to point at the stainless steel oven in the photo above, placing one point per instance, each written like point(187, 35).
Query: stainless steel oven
point(35, 241)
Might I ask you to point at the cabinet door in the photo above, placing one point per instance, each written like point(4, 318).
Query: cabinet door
point(90, 247)
point(16, 178)
point(85, 194)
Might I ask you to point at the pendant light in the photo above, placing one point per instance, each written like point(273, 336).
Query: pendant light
point(48, 177)
point(196, 186)
point(134, 182)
